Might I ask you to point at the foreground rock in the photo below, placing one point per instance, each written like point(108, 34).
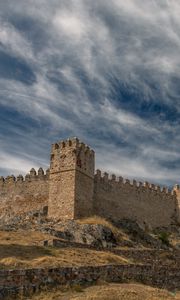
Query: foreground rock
point(95, 235)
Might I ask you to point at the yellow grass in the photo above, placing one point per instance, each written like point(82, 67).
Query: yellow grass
point(36, 257)
point(17, 251)
point(109, 292)
point(23, 237)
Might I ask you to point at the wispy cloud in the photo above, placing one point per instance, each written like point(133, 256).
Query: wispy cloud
point(107, 71)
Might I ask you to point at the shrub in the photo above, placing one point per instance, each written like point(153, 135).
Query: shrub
point(164, 237)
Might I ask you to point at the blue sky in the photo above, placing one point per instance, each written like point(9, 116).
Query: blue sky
point(107, 71)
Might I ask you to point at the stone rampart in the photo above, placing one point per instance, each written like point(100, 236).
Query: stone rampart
point(28, 281)
point(19, 195)
point(71, 190)
point(146, 203)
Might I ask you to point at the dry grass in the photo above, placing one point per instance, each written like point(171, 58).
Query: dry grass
point(109, 292)
point(17, 250)
point(20, 257)
point(174, 240)
point(23, 237)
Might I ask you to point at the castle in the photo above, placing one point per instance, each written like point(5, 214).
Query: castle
point(70, 189)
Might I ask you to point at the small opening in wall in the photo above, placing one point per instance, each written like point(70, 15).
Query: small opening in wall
point(79, 163)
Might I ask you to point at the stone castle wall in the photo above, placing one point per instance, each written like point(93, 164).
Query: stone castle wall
point(71, 190)
point(28, 281)
point(121, 199)
point(20, 195)
point(84, 196)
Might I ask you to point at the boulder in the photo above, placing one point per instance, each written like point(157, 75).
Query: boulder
point(95, 235)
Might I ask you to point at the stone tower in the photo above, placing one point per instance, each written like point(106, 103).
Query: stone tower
point(71, 180)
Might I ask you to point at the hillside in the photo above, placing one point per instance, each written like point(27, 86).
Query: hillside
point(34, 242)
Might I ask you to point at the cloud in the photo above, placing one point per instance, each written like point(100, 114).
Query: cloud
point(12, 42)
point(70, 25)
point(16, 164)
point(105, 71)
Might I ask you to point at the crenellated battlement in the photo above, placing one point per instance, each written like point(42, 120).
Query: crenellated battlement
point(71, 189)
point(23, 193)
point(70, 144)
point(141, 201)
point(29, 177)
point(72, 154)
point(120, 182)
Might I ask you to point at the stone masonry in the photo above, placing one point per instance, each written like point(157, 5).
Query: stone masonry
point(72, 190)
point(71, 180)
point(15, 283)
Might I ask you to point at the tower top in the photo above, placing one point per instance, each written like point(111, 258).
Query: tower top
point(72, 154)
point(72, 143)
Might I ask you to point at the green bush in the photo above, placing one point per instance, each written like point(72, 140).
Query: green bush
point(164, 237)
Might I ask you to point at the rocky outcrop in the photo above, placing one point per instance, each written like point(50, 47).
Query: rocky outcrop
point(95, 235)
point(139, 235)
